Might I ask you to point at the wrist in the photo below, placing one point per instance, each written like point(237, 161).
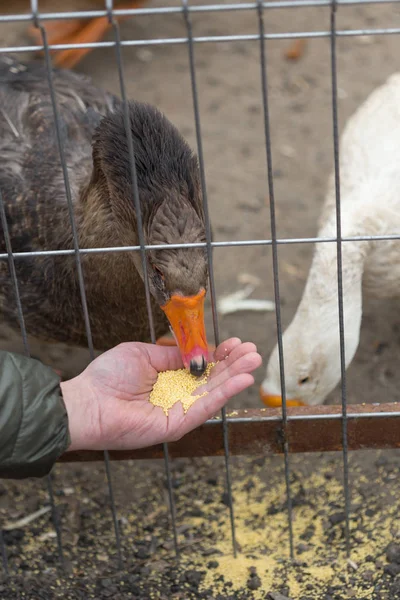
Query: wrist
point(80, 414)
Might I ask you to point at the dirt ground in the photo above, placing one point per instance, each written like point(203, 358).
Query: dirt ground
point(234, 150)
point(206, 568)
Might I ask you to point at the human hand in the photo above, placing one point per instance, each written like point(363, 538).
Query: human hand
point(108, 404)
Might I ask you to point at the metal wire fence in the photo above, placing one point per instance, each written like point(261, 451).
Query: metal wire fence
point(285, 422)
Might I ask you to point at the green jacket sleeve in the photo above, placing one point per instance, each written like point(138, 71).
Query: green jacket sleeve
point(33, 418)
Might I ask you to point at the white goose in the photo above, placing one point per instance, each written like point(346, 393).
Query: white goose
point(370, 199)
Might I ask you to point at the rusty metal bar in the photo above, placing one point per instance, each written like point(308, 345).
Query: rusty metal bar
point(259, 431)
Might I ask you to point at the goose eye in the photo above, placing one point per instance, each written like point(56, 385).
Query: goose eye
point(304, 380)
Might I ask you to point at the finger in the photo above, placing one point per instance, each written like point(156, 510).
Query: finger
point(244, 364)
point(238, 351)
point(205, 408)
point(216, 399)
point(226, 348)
point(163, 358)
point(226, 365)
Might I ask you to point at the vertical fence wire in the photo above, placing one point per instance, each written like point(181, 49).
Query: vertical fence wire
point(340, 271)
point(135, 191)
point(139, 224)
point(275, 264)
point(4, 557)
point(14, 279)
point(11, 266)
point(56, 518)
point(57, 125)
point(196, 109)
point(13, 274)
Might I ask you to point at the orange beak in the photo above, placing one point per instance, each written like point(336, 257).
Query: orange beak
point(186, 316)
point(276, 401)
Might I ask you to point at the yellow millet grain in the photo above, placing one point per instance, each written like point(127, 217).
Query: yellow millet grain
point(177, 386)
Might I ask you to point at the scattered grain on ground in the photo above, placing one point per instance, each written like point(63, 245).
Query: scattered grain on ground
point(206, 568)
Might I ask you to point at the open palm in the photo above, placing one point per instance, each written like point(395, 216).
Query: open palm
point(114, 391)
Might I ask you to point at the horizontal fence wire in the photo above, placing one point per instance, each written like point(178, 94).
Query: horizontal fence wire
point(259, 432)
point(222, 244)
point(314, 417)
point(200, 8)
point(208, 39)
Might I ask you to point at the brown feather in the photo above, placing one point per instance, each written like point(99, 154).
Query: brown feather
point(32, 186)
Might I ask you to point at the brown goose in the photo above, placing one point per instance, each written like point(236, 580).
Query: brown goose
point(96, 152)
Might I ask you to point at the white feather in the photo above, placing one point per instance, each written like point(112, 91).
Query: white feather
point(370, 202)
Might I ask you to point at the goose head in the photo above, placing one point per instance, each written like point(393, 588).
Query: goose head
point(311, 343)
point(172, 213)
